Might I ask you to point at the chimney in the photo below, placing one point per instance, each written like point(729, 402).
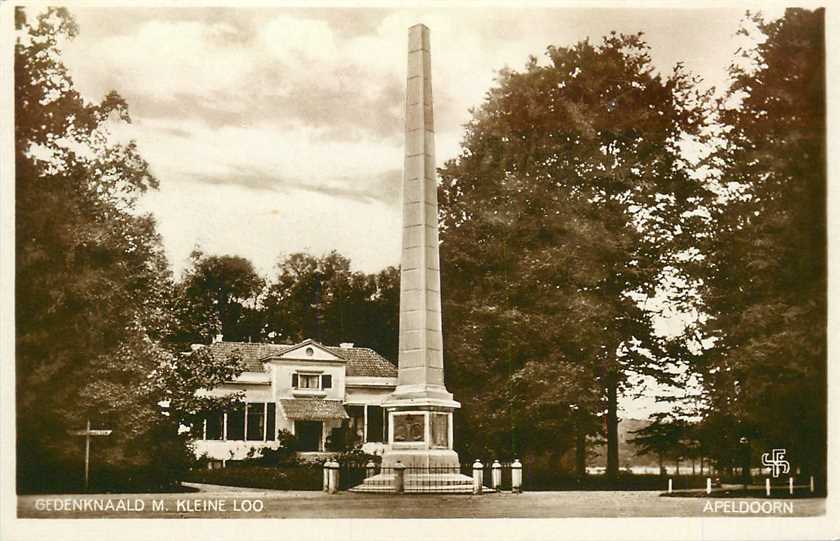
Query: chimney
point(346, 345)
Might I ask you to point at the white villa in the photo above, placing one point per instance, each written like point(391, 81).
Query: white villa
point(314, 391)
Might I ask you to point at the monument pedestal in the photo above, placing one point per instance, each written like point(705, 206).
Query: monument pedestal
point(419, 449)
point(419, 435)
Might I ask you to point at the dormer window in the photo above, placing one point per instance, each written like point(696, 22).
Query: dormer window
point(313, 382)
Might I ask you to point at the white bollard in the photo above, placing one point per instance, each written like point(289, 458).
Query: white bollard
point(670, 485)
point(326, 476)
point(790, 485)
point(399, 477)
point(708, 485)
point(812, 484)
point(333, 478)
point(497, 474)
point(478, 477)
point(516, 476)
point(767, 486)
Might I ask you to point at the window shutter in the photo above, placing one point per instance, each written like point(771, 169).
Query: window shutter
point(294, 381)
point(270, 421)
point(326, 381)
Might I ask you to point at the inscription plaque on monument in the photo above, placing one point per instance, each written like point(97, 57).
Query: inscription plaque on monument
point(440, 430)
point(409, 428)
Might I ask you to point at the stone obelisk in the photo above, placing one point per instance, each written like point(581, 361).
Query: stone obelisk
point(420, 409)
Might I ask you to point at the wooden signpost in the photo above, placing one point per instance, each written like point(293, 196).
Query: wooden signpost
point(88, 433)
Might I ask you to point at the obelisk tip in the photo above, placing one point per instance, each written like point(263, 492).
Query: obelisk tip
point(418, 37)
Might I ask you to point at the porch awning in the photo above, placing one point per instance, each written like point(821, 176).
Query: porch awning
point(312, 409)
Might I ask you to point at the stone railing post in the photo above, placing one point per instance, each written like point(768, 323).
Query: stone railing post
point(333, 477)
point(399, 477)
point(516, 476)
point(370, 469)
point(478, 477)
point(327, 475)
point(497, 474)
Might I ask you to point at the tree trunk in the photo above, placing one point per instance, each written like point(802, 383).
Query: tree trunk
point(580, 454)
point(662, 471)
point(701, 465)
point(612, 428)
point(692, 467)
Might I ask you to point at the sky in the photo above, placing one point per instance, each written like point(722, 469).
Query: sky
point(273, 130)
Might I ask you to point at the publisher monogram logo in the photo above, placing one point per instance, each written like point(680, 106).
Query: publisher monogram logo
point(775, 460)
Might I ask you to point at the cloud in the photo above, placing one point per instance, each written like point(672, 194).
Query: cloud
point(262, 226)
point(381, 188)
point(300, 102)
point(284, 70)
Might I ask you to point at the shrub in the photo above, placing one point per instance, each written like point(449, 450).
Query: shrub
point(284, 454)
point(356, 458)
point(243, 474)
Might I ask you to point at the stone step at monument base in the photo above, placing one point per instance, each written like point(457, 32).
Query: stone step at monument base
point(420, 483)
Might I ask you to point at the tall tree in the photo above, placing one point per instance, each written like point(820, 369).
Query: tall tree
point(568, 203)
point(91, 275)
point(765, 377)
point(322, 298)
point(219, 295)
point(666, 437)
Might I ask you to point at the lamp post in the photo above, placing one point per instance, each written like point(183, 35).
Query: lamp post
point(745, 461)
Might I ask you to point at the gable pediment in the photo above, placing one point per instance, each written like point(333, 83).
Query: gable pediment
point(309, 350)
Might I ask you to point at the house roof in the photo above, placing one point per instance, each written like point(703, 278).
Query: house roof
point(362, 362)
point(312, 409)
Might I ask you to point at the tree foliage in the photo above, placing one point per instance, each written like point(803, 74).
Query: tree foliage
point(91, 275)
point(323, 299)
point(219, 296)
point(668, 437)
point(765, 287)
point(568, 202)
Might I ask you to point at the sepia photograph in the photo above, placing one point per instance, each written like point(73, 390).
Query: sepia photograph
point(391, 261)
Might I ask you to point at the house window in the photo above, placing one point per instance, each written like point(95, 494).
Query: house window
point(236, 423)
point(256, 421)
point(309, 381)
point(314, 382)
point(214, 426)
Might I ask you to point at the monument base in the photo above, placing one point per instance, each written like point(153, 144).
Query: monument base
point(421, 458)
point(426, 471)
point(420, 483)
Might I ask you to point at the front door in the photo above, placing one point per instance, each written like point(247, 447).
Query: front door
point(308, 435)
